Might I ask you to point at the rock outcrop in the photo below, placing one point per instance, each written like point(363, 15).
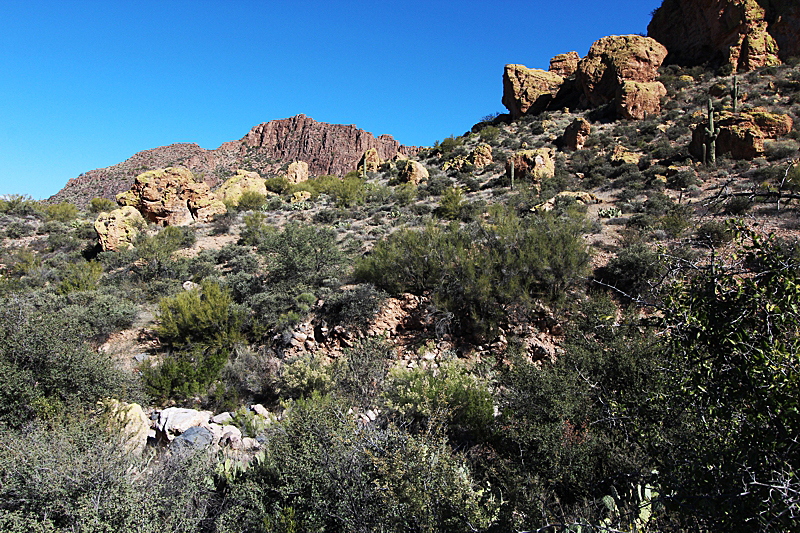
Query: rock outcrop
point(297, 172)
point(534, 165)
point(742, 135)
point(233, 188)
point(482, 156)
point(527, 90)
point(117, 230)
point(371, 160)
point(170, 197)
point(326, 148)
point(613, 60)
point(412, 172)
point(746, 34)
point(129, 422)
point(576, 134)
point(637, 101)
point(565, 65)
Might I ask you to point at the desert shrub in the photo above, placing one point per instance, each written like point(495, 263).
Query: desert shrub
point(63, 212)
point(19, 205)
point(98, 205)
point(74, 478)
point(81, 277)
point(198, 317)
point(451, 203)
point(255, 229)
point(251, 201)
point(489, 134)
point(302, 376)
point(777, 150)
point(436, 186)
point(302, 254)
point(634, 270)
point(366, 479)
point(561, 437)
point(277, 185)
point(359, 375)
point(252, 375)
point(404, 193)
point(475, 271)
point(449, 395)
point(19, 229)
point(354, 308)
point(47, 369)
point(713, 233)
point(738, 205)
point(98, 314)
point(682, 180)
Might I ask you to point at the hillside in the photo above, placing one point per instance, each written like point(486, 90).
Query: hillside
point(267, 148)
point(581, 315)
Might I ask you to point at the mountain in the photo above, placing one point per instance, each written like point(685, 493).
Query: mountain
point(327, 148)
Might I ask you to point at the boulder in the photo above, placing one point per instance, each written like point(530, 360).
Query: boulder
point(176, 420)
point(170, 197)
point(130, 422)
point(297, 172)
point(412, 172)
point(565, 65)
point(576, 134)
point(481, 156)
point(371, 160)
point(637, 100)
point(615, 59)
point(742, 135)
point(746, 34)
point(117, 230)
point(193, 439)
point(231, 436)
point(535, 165)
point(581, 197)
point(233, 188)
point(300, 196)
point(458, 163)
point(621, 155)
point(527, 90)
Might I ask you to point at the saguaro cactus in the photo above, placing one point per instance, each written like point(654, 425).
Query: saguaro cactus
point(735, 92)
point(710, 147)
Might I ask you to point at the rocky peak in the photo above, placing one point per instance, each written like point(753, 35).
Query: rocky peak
point(746, 34)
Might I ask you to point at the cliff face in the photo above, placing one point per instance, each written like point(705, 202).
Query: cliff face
point(747, 34)
point(327, 148)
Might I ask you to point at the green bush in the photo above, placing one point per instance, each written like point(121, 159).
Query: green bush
point(451, 204)
point(81, 277)
point(47, 369)
point(476, 271)
point(359, 375)
point(354, 308)
point(199, 317)
point(449, 395)
point(98, 205)
point(64, 212)
point(251, 201)
point(635, 270)
point(302, 254)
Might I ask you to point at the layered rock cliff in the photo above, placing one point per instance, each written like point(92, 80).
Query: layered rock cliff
point(746, 34)
point(326, 148)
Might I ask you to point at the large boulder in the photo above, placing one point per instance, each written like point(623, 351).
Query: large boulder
point(746, 34)
point(576, 134)
point(742, 135)
point(297, 172)
point(370, 161)
point(412, 172)
point(117, 229)
point(613, 60)
point(534, 165)
point(171, 197)
point(129, 422)
point(481, 156)
point(565, 65)
point(193, 439)
point(636, 100)
point(234, 187)
point(527, 90)
point(176, 420)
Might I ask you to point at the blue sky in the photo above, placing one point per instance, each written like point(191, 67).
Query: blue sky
point(87, 84)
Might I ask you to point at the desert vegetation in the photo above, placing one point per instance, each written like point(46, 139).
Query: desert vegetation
point(609, 346)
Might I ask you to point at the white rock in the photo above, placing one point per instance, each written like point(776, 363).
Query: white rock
point(222, 418)
point(260, 410)
point(250, 444)
point(175, 420)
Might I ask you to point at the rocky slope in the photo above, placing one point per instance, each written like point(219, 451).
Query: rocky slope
point(266, 149)
point(746, 34)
